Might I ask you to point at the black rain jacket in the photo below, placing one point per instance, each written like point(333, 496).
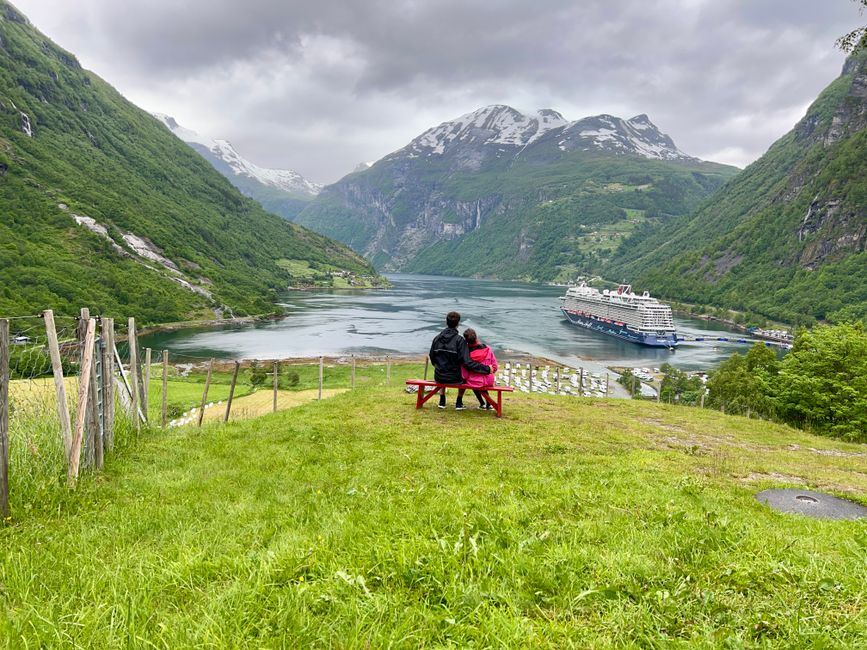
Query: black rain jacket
point(448, 353)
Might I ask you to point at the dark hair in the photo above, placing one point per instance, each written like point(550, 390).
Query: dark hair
point(470, 335)
point(453, 318)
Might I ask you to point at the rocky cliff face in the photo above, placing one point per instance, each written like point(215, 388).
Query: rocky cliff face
point(786, 238)
point(462, 177)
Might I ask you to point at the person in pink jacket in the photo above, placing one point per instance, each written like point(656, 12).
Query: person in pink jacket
point(482, 354)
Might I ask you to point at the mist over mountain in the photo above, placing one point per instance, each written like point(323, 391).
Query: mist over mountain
point(282, 191)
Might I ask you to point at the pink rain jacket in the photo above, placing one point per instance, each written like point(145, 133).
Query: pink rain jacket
point(482, 354)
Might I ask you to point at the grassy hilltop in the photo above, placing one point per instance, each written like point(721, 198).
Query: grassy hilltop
point(359, 521)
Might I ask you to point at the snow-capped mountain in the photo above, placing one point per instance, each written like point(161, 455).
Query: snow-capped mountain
point(257, 182)
point(509, 194)
point(506, 129)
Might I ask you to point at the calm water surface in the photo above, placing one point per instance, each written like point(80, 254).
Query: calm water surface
point(510, 317)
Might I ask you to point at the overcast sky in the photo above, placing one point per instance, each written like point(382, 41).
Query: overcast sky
point(321, 85)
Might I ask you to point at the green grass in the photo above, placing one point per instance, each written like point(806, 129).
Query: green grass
point(359, 521)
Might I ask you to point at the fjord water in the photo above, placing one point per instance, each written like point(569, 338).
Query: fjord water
point(511, 317)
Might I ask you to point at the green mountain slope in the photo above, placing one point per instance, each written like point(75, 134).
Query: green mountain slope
point(164, 236)
point(786, 238)
point(498, 193)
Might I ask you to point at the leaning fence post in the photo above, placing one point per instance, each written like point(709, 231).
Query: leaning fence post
point(4, 418)
point(320, 377)
point(275, 387)
point(387, 370)
point(146, 400)
point(133, 372)
point(232, 391)
point(205, 394)
point(352, 375)
point(83, 396)
point(59, 386)
point(91, 424)
point(164, 410)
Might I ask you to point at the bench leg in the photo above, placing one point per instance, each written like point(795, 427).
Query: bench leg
point(499, 406)
point(423, 397)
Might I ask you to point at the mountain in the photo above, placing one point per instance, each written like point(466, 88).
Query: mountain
point(786, 238)
point(500, 193)
point(281, 191)
point(103, 207)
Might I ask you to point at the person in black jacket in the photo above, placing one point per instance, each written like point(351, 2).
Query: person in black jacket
point(448, 352)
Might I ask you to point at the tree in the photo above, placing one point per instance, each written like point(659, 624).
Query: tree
point(857, 38)
point(744, 384)
point(822, 383)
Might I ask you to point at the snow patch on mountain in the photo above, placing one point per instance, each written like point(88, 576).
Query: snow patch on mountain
point(504, 126)
point(283, 179)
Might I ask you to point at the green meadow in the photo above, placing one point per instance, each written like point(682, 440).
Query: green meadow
point(360, 522)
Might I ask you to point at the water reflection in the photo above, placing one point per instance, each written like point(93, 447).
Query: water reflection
point(511, 317)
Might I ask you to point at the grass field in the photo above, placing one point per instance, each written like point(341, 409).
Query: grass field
point(360, 522)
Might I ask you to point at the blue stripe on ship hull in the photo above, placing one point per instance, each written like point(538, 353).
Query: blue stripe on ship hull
point(623, 333)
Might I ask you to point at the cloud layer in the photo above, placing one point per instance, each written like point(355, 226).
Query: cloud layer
point(318, 86)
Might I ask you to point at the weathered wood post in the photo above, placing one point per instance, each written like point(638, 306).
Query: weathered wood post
point(607, 377)
point(133, 373)
point(108, 375)
point(352, 374)
point(164, 407)
point(633, 385)
point(702, 397)
point(581, 382)
point(232, 391)
point(275, 387)
point(531, 377)
point(106, 386)
point(90, 423)
point(321, 364)
point(387, 370)
point(146, 386)
point(426, 362)
point(205, 393)
point(4, 418)
point(557, 379)
point(59, 386)
point(81, 413)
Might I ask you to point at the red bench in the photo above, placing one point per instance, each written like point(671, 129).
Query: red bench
point(424, 396)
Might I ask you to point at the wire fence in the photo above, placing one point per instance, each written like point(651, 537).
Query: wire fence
point(74, 388)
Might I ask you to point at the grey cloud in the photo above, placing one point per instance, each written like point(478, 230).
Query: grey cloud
point(320, 85)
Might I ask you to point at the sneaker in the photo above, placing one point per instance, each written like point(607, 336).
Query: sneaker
point(459, 406)
point(442, 403)
point(483, 407)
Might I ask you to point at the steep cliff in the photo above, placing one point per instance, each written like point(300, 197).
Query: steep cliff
point(787, 237)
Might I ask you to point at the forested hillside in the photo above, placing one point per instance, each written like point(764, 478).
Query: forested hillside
point(101, 206)
point(786, 238)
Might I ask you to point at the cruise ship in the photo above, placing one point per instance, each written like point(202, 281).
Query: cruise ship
point(621, 313)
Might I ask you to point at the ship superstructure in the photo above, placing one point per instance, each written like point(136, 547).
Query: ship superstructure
point(621, 313)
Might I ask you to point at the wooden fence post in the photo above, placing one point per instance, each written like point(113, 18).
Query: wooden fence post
point(146, 385)
point(702, 397)
point(557, 379)
point(4, 418)
point(232, 391)
point(426, 362)
point(274, 410)
point(531, 378)
point(509, 376)
point(320, 378)
point(164, 407)
point(59, 386)
point(83, 398)
point(91, 420)
point(108, 375)
point(387, 370)
point(133, 372)
point(205, 393)
point(606, 384)
point(352, 375)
